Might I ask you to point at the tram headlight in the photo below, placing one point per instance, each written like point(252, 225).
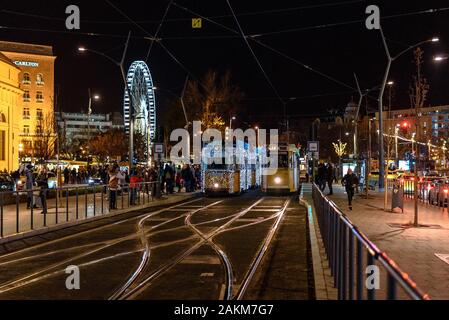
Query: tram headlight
point(216, 185)
point(277, 180)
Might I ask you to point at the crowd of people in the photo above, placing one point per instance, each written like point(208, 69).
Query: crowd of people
point(326, 176)
point(172, 178)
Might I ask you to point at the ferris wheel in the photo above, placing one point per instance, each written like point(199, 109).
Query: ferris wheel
point(140, 102)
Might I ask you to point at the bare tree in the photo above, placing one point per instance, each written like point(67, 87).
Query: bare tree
point(45, 136)
point(112, 144)
point(214, 100)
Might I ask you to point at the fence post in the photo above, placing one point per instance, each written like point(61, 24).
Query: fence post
point(76, 202)
point(351, 266)
point(371, 292)
point(1, 215)
point(391, 285)
point(359, 270)
point(95, 200)
point(17, 215)
point(67, 193)
point(85, 203)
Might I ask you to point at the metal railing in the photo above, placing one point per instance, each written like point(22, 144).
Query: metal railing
point(350, 252)
point(19, 210)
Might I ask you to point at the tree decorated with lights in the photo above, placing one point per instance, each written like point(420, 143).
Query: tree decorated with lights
point(340, 150)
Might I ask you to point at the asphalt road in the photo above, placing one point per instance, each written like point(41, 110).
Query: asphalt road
point(206, 248)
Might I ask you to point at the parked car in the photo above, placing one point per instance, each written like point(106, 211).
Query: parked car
point(6, 182)
point(94, 181)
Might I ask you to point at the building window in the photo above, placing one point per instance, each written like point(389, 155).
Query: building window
point(39, 114)
point(40, 79)
point(39, 130)
point(26, 129)
point(26, 78)
point(39, 97)
point(26, 96)
point(2, 117)
point(26, 113)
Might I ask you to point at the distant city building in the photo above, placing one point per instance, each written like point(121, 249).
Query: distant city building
point(10, 105)
point(78, 127)
point(432, 122)
point(36, 107)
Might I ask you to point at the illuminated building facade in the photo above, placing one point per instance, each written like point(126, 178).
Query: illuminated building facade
point(36, 110)
point(78, 127)
point(10, 105)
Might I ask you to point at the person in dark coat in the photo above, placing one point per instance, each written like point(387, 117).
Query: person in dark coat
point(42, 182)
point(330, 177)
point(321, 178)
point(29, 185)
point(350, 181)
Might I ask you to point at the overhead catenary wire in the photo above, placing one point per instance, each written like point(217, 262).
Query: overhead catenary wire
point(255, 35)
point(251, 13)
point(337, 24)
point(159, 28)
point(268, 47)
point(159, 42)
point(254, 54)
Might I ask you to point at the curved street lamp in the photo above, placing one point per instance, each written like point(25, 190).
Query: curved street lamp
point(122, 70)
point(391, 59)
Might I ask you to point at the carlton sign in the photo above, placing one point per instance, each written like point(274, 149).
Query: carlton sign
point(26, 64)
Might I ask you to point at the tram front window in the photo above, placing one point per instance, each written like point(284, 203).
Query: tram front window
point(215, 166)
point(283, 161)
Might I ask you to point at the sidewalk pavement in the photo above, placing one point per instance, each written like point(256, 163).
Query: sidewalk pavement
point(87, 208)
point(413, 249)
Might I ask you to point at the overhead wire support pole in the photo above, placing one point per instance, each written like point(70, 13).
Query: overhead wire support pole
point(356, 118)
point(182, 103)
point(381, 125)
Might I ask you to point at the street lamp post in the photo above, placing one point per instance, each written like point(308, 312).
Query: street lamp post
point(120, 64)
point(95, 97)
point(230, 122)
point(391, 59)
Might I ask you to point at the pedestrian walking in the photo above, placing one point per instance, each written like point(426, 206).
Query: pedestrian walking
point(133, 185)
point(350, 181)
point(113, 187)
point(42, 182)
point(321, 178)
point(330, 177)
point(29, 186)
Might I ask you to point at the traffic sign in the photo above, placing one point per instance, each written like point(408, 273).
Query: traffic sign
point(313, 146)
point(158, 148)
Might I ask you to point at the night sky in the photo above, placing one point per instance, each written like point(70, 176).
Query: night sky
point(337, 51)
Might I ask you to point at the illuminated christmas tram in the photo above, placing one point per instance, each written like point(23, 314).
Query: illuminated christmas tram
point(228, 178)
point(286, 179)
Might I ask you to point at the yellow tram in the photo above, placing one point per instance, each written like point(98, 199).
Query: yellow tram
point(228, 177)
point(286, 179)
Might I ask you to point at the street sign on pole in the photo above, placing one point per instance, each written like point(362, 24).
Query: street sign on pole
point(159, 151)
point(313, 146)
point(158, 148)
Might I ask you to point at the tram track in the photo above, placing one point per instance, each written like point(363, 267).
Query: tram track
point(143, 285)
point(208, 239)
point(33, 277)
point(138, 282)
